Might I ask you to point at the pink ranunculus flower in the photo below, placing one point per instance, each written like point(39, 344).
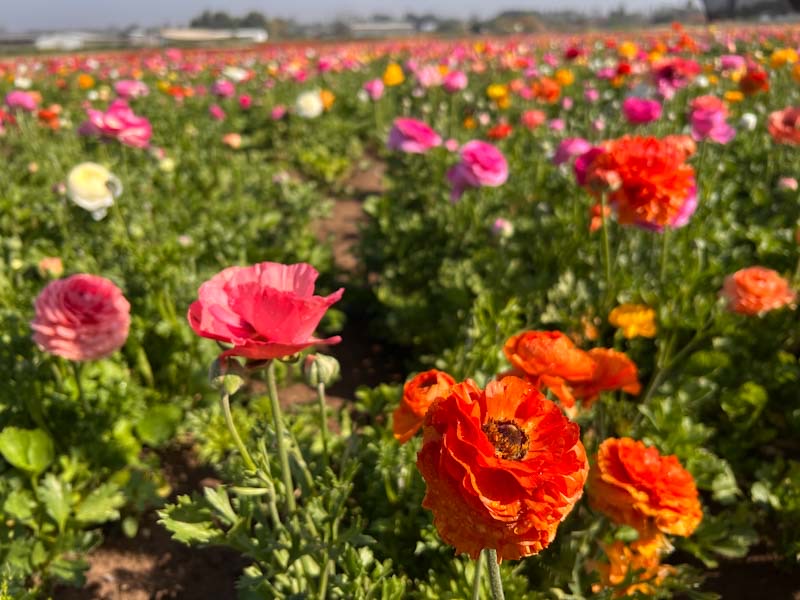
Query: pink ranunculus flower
point(638, 111)
point(374, 89)
point(481, 165)
point(454, 81)
point(278, 112)
point(82, 317)
point(428, 76)
point(223, 88)
point(707, 117)
point(245, 101)
point(413, 136)
point(216, 112)
point(591, 95)
point(265, 311)
point(131, 88)
point(569, 148)
point(21, 100)
point(118, 122)
point(732, 62)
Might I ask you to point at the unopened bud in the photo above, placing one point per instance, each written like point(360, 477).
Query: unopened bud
point(224, 375)
point(320, 368)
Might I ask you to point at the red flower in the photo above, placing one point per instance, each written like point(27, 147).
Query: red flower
point(266, 311)
point(502, 467)
point(498, 132)
point(418, 394)
point(753, 81)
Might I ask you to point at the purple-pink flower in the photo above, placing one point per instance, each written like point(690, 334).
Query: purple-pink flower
point(131, 88)
point(118, 122)
point(481, 165)
point(374, 89)
point(454, 81)
point(21, 100)
point(708, 116)
point(639, 111)
point(569, 148)
point(412, 136)
point(223, 88)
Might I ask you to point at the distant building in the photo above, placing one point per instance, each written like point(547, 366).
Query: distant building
point(380, 29)
point(77, 40)
point(206, 36)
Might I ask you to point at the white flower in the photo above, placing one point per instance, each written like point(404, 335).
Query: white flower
point(748, 121)
point(309, 105)
point(701, 81)
point(93, 188)
point(235, 74)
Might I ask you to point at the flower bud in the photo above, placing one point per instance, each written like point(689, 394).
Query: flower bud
point(320, 368)
point(224, 374)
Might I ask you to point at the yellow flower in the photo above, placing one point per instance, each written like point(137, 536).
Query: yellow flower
point(565, 77)
point(328, 98)
point(627, 50)
point(85, 81)
point(734, 96)
point(634, 320)
point(783, 56)
point(497, 91)
point(393, 75)
point(796, 73)
point(163, 85)
point(713, 79)
point(470, 123)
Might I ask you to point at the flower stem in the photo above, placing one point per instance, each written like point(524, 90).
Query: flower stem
point(476, 582)
point(283, 456)
point(662, 273)
point(225, 400)
point(494, 574)
point(606, 248)
point(323, 423)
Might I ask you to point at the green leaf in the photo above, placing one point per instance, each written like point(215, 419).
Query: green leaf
point(20, 505)
point(30, 450)
point(55, 497)
point(189, 521)
point(218, 498)
point(101, 505)
point(70, 572)
point(158, 424)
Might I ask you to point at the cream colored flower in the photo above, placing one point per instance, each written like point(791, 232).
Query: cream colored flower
point(93, 188)
point(309, 104)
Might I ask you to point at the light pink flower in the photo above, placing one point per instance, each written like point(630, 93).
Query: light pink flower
point(707, 117)
point(413, 136)
point(638, 111)
point(278, 112)
point(82, 317)
point(454, 81)
point(265, 311)
point(131, 88)
point(216, 112)
point(118, 122)
point(533, 118)
point(481, 165)
point(223, 88)
point(569, 148)
point(374, 89)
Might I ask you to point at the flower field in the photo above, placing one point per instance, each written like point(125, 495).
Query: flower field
point(484, 318)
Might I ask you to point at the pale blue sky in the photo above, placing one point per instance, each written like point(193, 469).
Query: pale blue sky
point(20, 15)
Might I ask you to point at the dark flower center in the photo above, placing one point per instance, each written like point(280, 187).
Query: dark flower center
point(509, 441)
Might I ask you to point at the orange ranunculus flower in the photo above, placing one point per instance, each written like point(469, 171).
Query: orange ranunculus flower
point(328, 98)
point(85, 81)
point(393, 75)
point(642, 555)
point(615, 371)
point(637, 486)
point(784, 125)
point(564, 77)
point(503, 467)
point(756, 290)
point(634, 320)
point(549, 353)
point(655, 184)
point(418, 394)
point(546, 89)
point(683, 143)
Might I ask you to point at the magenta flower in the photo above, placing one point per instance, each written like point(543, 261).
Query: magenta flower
point(245, 101)
point(708, 116)
point(265, 311)
point(118, 122)
point(569, 148)
point(216, 112)
point(454, 81)
point(412, 136)
point(21, 100)
point(639, 111)
point(481, 165)
point(131, 88)
point(223, 88)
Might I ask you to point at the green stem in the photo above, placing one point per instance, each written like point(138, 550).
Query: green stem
point(663, 371)
point(662, 272)
point(494, 575)
point(606, 248)
point(225, 400)
point(77, 370)
point(476, 582)
point(283, 456)
point(323, 423)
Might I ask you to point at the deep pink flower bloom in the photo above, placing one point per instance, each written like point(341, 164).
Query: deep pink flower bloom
point(413, 136)
point(265, 311)
point(118, 122)
point(82, 317)
point(131, 88)
point(374, 89)
point(639, 111)
point(481, 165)
point(21, 100)
point(245, 101)
point(278, 112)
point(732, 62)
point(707, 117)
point(455, 81)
